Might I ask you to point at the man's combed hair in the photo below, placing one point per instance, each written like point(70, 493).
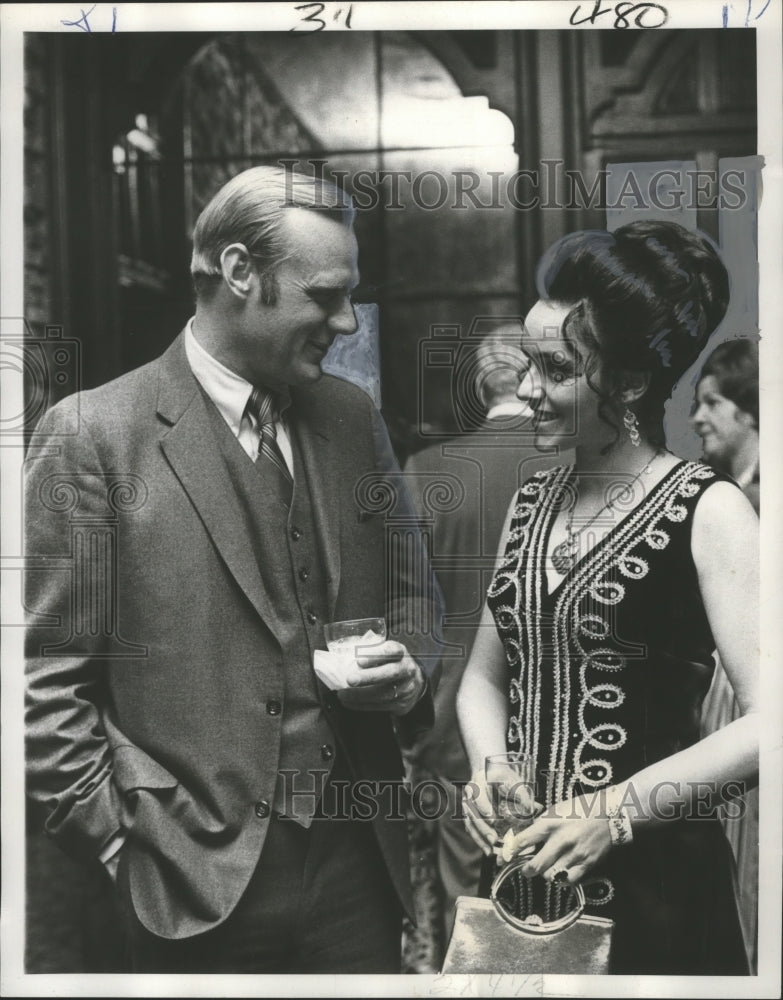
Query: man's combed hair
point(249, 209)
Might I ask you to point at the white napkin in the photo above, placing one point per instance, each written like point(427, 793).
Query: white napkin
point(335, 666)
point(332, 669)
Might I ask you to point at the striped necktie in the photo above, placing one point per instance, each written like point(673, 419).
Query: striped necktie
point(262, 407)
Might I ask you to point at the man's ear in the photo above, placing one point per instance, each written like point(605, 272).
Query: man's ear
point(633, 385)
point(238, 270)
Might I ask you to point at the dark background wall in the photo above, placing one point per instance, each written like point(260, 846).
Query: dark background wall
point(128, 135)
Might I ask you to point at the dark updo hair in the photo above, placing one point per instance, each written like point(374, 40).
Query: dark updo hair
point(735, 367)
point(645, 299)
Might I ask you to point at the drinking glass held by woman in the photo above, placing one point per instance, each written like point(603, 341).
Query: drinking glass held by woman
point(616, 579)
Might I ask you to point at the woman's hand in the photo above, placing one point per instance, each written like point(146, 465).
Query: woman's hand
point(477, 810)
point(479, 805)
point(571, 837)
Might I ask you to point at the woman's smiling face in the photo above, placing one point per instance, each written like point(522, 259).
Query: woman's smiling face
point(554, 384)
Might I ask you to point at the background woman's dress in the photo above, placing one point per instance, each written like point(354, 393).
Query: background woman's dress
point(742, 830)
point(607, 674)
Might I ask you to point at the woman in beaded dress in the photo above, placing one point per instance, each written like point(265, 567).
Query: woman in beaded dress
point(617, 577)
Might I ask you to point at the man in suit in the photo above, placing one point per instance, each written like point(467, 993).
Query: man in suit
point(191, 526)
point(482, 471)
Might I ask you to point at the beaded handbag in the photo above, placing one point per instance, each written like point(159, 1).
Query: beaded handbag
point(528, 925)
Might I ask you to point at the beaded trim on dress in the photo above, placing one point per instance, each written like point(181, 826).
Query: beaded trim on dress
point(579, 753)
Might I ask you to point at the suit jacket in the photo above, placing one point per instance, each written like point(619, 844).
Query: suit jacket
point(481, 473)
point(152, 649)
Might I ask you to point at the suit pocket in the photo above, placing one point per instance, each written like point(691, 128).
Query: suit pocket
point(133, 768)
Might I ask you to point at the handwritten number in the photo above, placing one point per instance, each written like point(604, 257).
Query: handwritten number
point(78, 24)
point(493, 985)
point(350, 13)
point(83, 24)
point(314, 17)
point(590, 17)
point(515, 986)
point(649, 8)
point(748, 13)
point(622, 12)
point(444, 983)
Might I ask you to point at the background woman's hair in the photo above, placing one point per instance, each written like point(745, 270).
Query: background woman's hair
point(735, 367)
point(645, 299)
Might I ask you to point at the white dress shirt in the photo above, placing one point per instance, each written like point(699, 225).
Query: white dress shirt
point(230, 394)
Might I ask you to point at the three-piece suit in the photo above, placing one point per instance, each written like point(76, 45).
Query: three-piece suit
point(175, 605)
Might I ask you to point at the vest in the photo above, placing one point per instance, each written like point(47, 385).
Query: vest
point(288, 557)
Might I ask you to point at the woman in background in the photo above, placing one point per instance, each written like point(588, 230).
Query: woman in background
point(617, 577)
point(727, 419)
point(727, 413)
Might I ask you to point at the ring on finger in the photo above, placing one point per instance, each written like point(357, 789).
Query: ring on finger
point(558, 874)
point(394, 696)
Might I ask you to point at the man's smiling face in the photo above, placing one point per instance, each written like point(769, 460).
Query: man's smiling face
point(284, 343)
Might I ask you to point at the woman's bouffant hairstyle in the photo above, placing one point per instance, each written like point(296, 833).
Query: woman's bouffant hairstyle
point(249, 210)
point(645, 300)
point(735, 367)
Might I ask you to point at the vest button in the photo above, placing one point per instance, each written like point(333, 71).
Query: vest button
point(311, 618)
point(327, 752)
point(262, 809)
point(296, 534)
point(304, 574)
point(273, 707)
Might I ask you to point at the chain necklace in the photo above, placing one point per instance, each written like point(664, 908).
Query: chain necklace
point(564, 555)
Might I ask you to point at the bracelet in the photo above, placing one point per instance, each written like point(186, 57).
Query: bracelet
point(620, 830)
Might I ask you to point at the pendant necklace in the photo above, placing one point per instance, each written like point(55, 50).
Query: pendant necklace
point(564, 555)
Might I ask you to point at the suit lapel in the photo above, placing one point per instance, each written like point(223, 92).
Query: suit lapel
point(315, 438)
point(194, 455)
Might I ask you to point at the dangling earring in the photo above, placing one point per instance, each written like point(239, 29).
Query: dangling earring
point(632, 426)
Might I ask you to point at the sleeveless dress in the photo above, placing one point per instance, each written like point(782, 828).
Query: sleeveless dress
point(607, 675)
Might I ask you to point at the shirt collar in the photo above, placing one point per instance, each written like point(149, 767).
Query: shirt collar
point(227, 390)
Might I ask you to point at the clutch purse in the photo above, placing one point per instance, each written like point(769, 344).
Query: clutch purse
point(528, 925)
